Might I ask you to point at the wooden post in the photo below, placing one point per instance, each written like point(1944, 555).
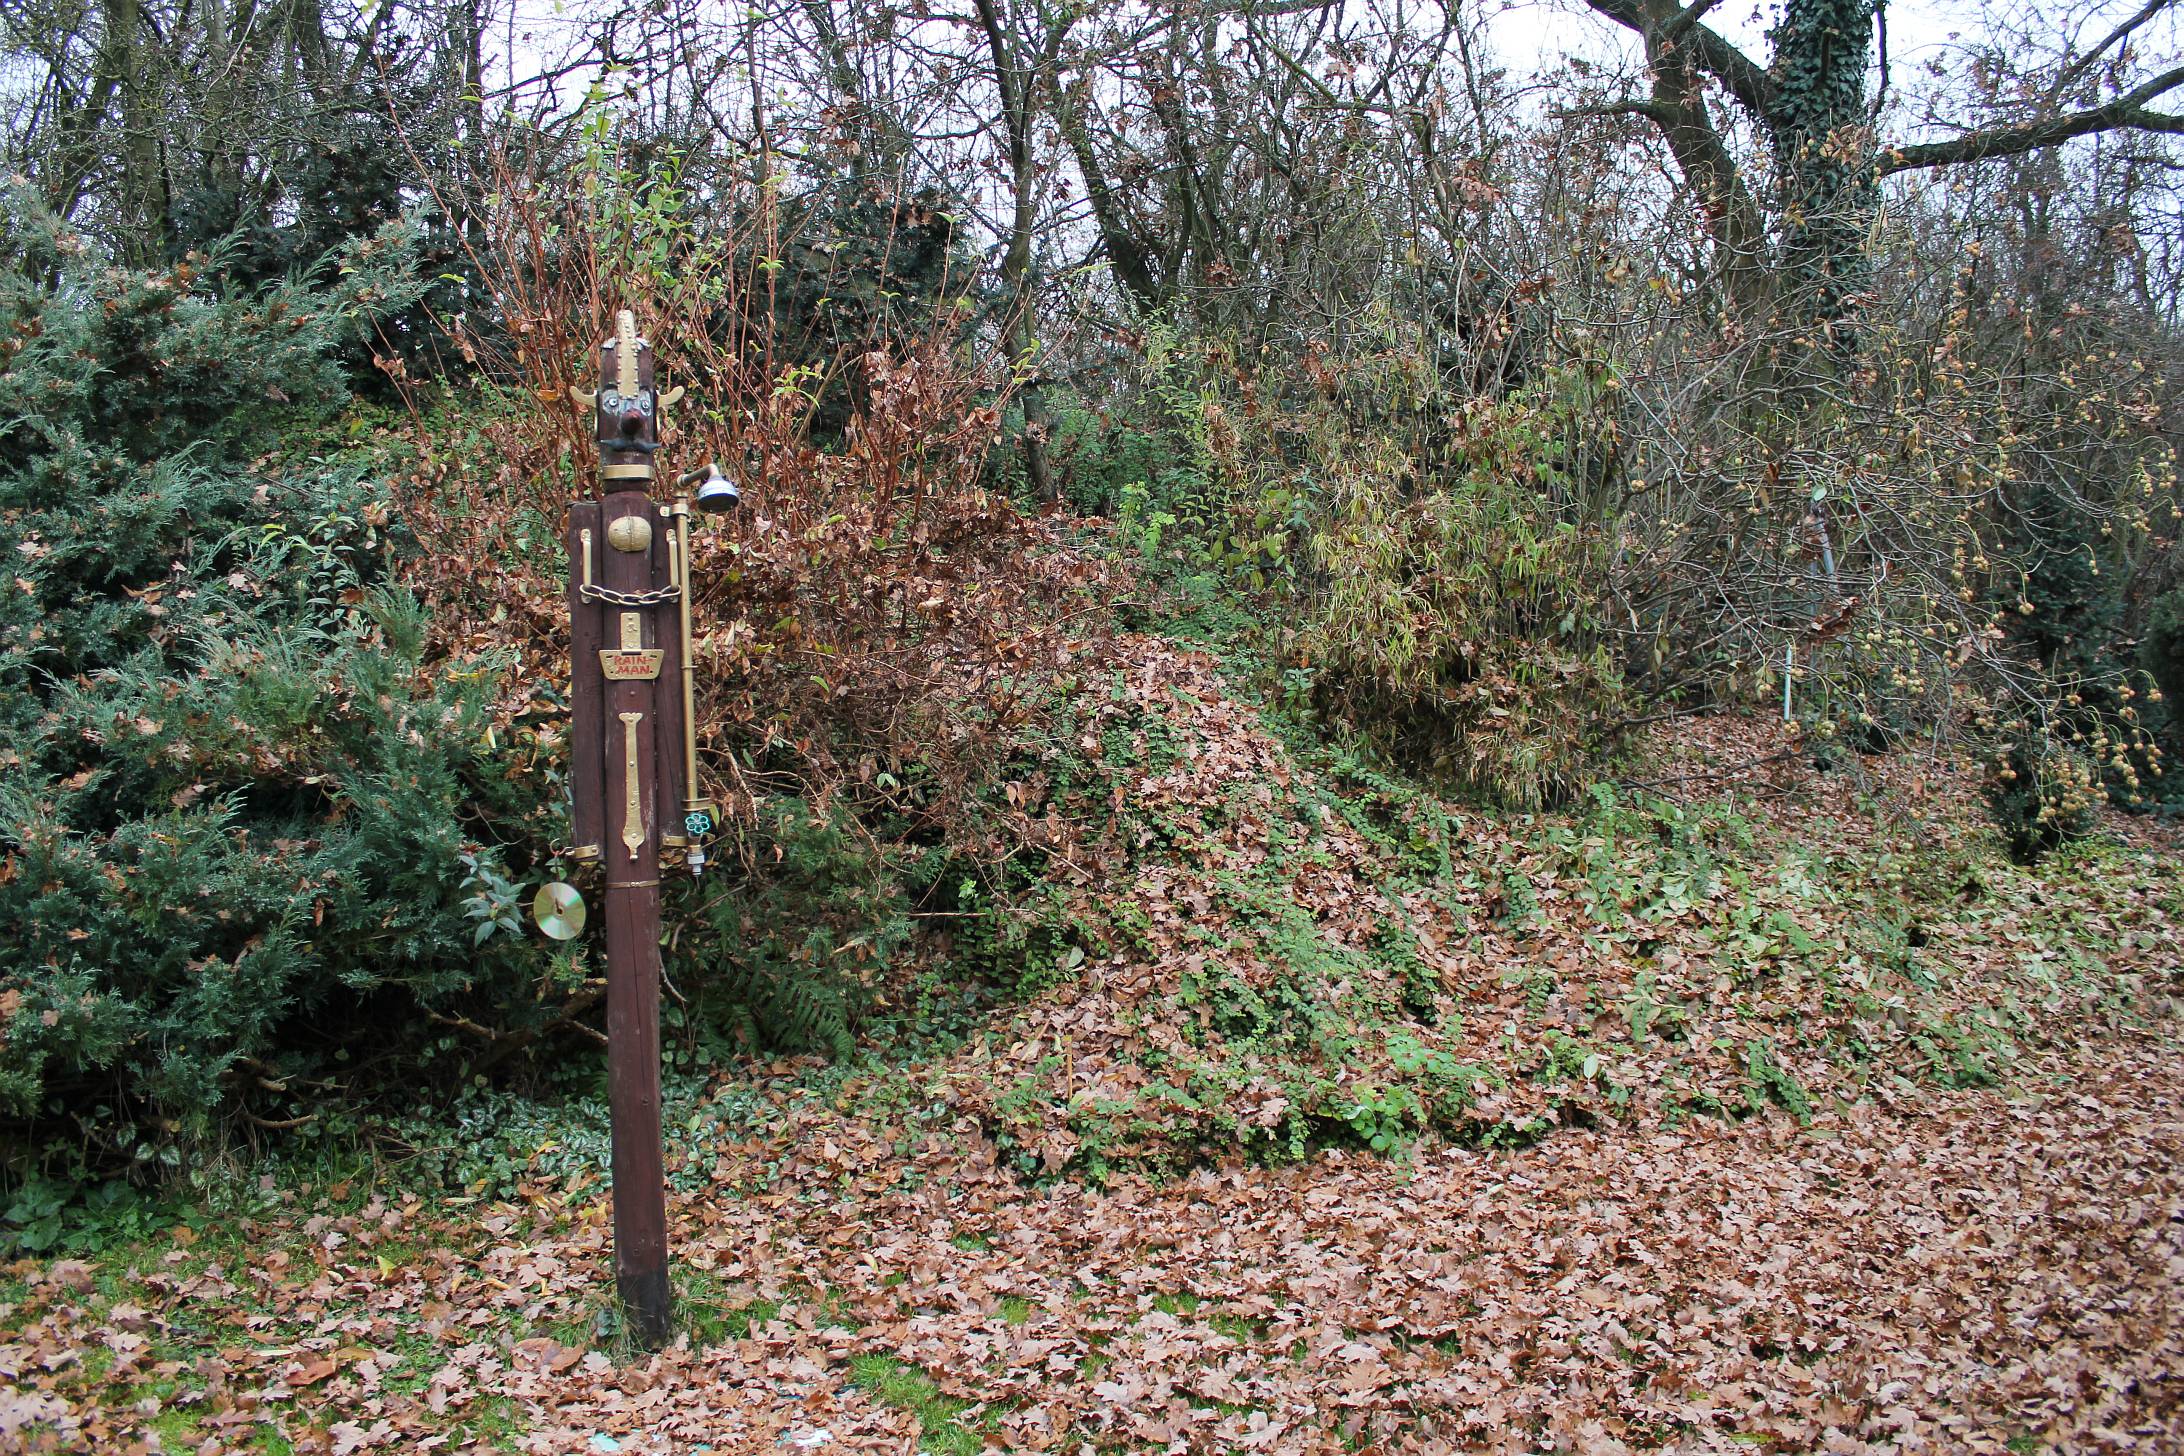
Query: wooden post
point(626, 755)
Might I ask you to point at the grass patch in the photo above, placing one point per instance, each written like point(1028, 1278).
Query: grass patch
point(705, 1312)
point(942, 1426)
point(1243, 1331)
point(497, 1422)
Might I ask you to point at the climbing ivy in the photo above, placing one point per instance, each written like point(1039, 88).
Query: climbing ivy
point(1822, 147)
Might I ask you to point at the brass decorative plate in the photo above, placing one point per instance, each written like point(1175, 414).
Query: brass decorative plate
point(625, 665)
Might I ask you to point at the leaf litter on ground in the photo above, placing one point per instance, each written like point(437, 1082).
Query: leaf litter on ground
point(1763, 1111)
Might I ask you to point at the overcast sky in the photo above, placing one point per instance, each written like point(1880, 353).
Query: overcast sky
point(1535, 35)
point(1533, 38)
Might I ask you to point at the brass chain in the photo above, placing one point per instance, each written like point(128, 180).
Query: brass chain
point(652, 598)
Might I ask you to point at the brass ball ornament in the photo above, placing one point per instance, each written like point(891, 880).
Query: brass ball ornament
point(630, 533)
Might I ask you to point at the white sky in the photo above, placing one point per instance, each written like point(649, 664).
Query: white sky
point(1535, 36)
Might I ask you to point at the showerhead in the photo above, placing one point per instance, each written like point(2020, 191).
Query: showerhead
point(717, 494)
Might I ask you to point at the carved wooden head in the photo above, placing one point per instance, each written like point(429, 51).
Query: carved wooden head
point(626, 408)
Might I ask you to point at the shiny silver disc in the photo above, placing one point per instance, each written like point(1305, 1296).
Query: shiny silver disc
point(558, 910)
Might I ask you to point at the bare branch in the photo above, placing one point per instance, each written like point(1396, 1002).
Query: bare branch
point(2086, 62)
point(1744, 78)
point(2127, 112)
point(1691, 15)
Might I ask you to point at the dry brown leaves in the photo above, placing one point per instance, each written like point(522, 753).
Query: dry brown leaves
point(1954, 1275)
point(1951, 1274)
point(1919, 1269)
point(1775, 962)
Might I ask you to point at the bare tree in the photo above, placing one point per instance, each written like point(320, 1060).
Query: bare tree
point(1811, 101)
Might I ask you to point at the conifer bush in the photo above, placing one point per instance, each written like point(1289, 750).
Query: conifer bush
point(236, 789)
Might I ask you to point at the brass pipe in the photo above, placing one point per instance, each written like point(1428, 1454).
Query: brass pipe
point(692, 799)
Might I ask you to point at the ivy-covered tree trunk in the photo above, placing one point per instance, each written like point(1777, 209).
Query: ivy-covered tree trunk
point(1822, 141)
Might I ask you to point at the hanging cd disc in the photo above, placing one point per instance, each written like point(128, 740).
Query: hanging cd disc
point(559, 910)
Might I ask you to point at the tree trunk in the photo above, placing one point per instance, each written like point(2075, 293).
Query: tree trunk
point(1823, 150)
point(1016, 262)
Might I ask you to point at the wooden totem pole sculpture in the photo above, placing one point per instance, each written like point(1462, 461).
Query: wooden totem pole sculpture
point(633, 771)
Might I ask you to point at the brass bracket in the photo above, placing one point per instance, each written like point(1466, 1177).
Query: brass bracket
point(633, 661)
point(633, 809)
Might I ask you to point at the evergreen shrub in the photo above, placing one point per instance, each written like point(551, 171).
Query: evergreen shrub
point(245, 816)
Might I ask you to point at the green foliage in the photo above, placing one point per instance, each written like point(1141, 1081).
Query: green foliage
point(946, 1423)
point(1291, 1033)
point(241, 809)
point(1021, 944)
point(2041, 793)
point(846, 266)
point(83, 1217)
point(1438, 576)
point(796, 955)
point(869, 270)
point(2161, 657)
point(348, 172)
point(1383, 1117)
point(1767, 1080)
point(2066, 604)
point(111, 374)
point(1460, 622)
point(1816, 114)
point(1962, 1053)
point(807, 953)
point(2161, 651)
point(488, 1141)
point(1140, 522)
point(1103, 459)
point(1441, 1084)
point(1431, 566)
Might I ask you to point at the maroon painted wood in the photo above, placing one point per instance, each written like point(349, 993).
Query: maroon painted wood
point(630, 820)
point(587, 693)
point(632, 864)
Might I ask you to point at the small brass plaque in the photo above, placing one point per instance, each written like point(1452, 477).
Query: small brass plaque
point(631, 664)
